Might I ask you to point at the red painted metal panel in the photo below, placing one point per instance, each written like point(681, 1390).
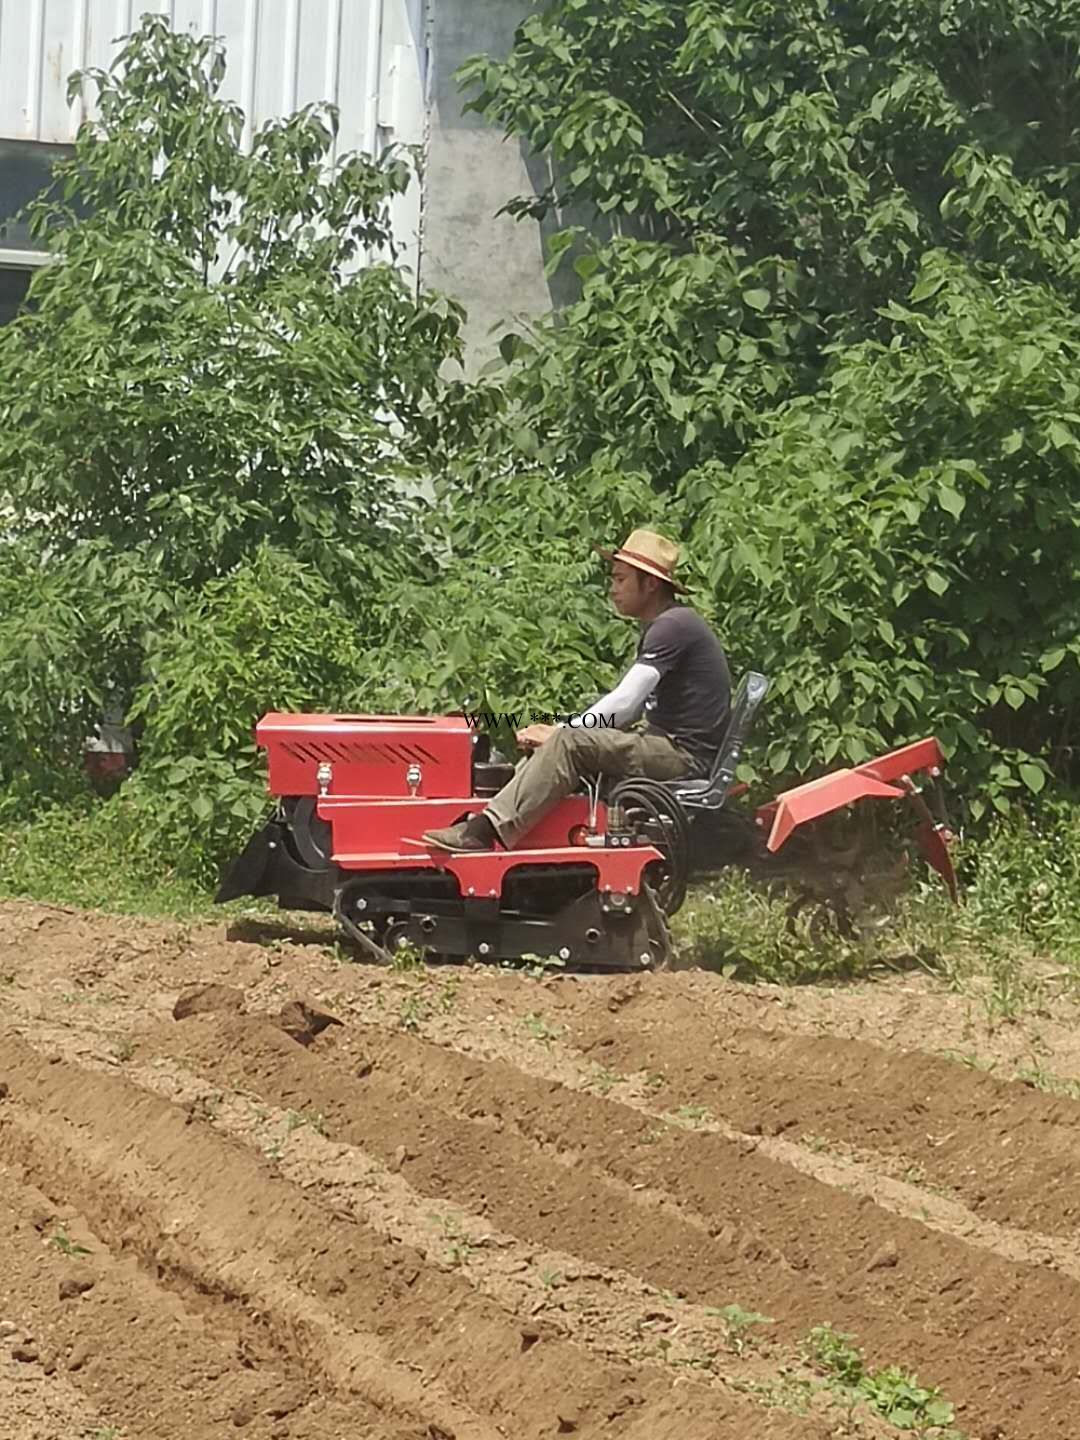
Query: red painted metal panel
point(360, 825)
point(909, 760)
point(482, 875)
point(820, 797)
point(870, 780)
point(369, 754)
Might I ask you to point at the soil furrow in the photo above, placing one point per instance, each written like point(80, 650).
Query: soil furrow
point(114, 1343)
point(573, 1171)
point(365, 1318)
point(609, 1312)
point(1006, 1149)
point(669, 1144)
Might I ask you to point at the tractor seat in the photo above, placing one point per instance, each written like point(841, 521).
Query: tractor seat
point(711, 793)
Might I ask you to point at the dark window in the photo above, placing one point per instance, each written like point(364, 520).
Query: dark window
point(13, 286)
point(25, 173)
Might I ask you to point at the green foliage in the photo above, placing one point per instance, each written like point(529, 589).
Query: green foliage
point(1023, 881)
point(272, 627)
point(228, 365)
point(85, 853)
point(742, 931)
point(1020, 884)
point(894, 1394)
point(836, 326)
point(911, 562)
point(211, 415)
point(847, 140)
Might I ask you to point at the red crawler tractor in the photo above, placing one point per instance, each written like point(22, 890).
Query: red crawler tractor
point(594, 883)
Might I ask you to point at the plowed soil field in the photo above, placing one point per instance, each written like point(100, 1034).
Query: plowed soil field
point(474, 1203)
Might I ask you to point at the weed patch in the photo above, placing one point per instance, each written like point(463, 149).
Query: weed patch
point(891, 1392)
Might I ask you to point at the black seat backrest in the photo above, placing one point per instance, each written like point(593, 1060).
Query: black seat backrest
point(745, 704)
point(712, 793)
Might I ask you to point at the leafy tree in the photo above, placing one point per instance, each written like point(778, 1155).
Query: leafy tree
point(207, 358)
point(221, 351)
point(835, 327)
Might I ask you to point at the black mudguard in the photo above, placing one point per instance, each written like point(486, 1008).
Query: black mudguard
point(268, 866)
point(248, 872)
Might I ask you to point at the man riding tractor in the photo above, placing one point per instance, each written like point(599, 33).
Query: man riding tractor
point(679, 685)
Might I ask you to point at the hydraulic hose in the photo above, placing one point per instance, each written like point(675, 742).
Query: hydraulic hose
point(652, 800)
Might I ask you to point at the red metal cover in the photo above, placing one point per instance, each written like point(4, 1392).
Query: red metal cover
point(369, 755)
point(843, 787)
point(385, 826)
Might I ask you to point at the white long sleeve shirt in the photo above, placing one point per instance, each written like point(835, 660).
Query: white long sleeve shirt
point(622, 706)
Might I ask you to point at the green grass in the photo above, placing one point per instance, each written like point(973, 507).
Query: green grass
point(1019, 917)
point(84, 858)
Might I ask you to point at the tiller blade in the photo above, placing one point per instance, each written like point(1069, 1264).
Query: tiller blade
point(890, 777)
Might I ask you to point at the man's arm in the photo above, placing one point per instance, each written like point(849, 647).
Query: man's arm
point(623, 705)
point(618, 709)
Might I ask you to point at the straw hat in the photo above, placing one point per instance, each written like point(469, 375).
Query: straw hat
point(647, 551)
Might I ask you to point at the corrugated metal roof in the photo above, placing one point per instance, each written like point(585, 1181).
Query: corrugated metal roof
point(366, 56)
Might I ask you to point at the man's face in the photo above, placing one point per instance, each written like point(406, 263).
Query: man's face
point(630, 590)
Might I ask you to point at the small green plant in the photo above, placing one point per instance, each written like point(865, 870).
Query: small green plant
point(739, 1324)
point(695, 1114)
point(295, 1120)
point(969, 1060)
point(539, 1029)
point(891, 1392)
point(64, 1243)
point(407, 958)
point(337, 954)
point(831, 1352)
point(604, 1080)
point(448, 995)
point(461, 1248)
point(412, 1012)
point(1040, 1079)
point(124, 1048)
point(791, 1391)
point(550, 1278)
point(902, 1401)
point(539, 967)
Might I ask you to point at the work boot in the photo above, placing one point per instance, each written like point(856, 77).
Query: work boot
point(475, 834)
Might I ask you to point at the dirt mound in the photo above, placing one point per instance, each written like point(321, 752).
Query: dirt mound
point(468, 1204)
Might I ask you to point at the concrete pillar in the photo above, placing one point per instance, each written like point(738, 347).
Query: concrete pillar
point(495, 267)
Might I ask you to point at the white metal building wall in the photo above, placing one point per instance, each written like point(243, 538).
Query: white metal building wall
point(369, 57)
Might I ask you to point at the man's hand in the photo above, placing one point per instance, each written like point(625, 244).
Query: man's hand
point(533, 736)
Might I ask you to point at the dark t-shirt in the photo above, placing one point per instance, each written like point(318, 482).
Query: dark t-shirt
point(692, 702)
